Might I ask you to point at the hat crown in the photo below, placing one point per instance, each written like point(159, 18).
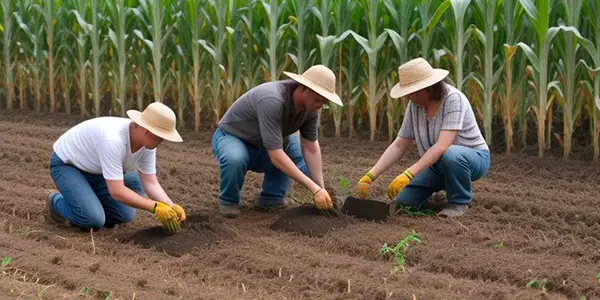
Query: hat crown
point(414, 71)
point(160, 116)
point(322, 76)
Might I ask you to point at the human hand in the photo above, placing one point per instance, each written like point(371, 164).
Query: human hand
point(399, 183)
point(362, 188)
point(167, 216)
point(180, 212)
point(322, 199)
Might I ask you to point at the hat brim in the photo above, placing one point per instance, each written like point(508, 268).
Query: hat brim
point(169, 135)
point(333, 97)
point(401, 91)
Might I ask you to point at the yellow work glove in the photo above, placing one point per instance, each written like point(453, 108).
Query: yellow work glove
point(180, 212)
point(322, 199)
point(167, 216)
point(399, 183)
point(362, 188)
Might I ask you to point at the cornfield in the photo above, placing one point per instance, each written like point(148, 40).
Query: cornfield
point(518, 61)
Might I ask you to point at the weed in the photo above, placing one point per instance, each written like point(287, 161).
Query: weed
point(415, 212)
point(5, 262)
point(106, 295)
point(86, 290)
point(500, 245)
point(539, 284)
point(400, 247)
point(343, 184)
point(598, 278)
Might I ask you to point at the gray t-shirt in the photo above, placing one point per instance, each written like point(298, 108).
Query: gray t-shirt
point(265, 116)
point(455, 113)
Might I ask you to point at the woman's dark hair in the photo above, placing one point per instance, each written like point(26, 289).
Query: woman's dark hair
point(436, 91)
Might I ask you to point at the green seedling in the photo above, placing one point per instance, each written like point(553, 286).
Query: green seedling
point(106, 295)
point(343, 184)
point(415, 212)
point(86, 290)
point(5, 261)
point(500, 245)
point(598, 278)
point(539, 284)
point(399, 249)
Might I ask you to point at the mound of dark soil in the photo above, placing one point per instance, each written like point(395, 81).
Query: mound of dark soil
point(196, 231)
point(371, 210)
point(309, 220)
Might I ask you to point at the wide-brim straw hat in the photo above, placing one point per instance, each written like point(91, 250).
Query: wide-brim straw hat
point(158, 119)
point(321, 80)
point(415, 75)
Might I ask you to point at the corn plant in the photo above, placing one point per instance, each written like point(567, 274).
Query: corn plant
point(428, 22)
point(326, 44)
point(156, 16)
point(539, 15)
point(488, 9)
point(233, 50)
point(30, 21)
point(190, 26)
point(64, 55)
point(372, 44)
point(570, 104)
point(301, 20)
point(251, 24)
point(118, 13)
point(81, 30)
point(592, 47)
point(7, 40)
point(50, 13)
point(97, 50)
point(273, 35)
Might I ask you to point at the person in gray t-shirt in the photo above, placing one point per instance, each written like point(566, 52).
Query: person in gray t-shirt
point(439, 118)
point(257, 133)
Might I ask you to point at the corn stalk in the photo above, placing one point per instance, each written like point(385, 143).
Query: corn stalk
point(118, 14)
point(81, 30)
point(33, 30)
point(9, 87)
point(300, 22)
point(592, 10)
point(372, 45)
point(156, 16)
point(97, 50)
point(491, 77)
point(190, 28)
point(273, 13)
point(539, 15)
point(50, 12)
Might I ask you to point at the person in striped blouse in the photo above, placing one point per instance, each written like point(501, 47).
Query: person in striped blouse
point(452, 150)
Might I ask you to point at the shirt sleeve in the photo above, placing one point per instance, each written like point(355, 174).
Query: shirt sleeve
point(453, 113)
point(147, 163)
point(407, 129)
point(270, 114)
point(309, 128)
point(111, 154)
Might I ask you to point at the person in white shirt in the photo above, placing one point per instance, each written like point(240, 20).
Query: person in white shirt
point(103, 168)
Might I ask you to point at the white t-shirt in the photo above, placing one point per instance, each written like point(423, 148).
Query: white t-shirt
point(101, 146)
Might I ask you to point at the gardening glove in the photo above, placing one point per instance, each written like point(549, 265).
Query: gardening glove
point(180, 212)
point(167, 216)
point(399, 183)
point(362, 188)
point(322, 199)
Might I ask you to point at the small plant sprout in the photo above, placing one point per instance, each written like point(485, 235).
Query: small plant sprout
point(598, 278)
point(415, 212)
point(343, 184)
point(500, 245)
point(539, 284)
point(399, 249)
point(5, 262)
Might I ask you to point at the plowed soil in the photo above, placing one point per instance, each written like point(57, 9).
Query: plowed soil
point(532, 219)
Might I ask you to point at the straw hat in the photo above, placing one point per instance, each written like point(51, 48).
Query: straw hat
point(321, 80)
point(415, 75)
point(158, 119)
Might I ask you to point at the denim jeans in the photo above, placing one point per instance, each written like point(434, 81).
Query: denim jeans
point(235, 157)
point(84, 200)
point(454, 172)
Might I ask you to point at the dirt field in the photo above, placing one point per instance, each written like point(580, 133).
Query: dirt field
point(531, 219)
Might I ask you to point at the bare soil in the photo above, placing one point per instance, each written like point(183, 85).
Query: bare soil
point(531, 219)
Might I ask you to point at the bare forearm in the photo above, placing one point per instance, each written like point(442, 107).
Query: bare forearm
point(431, 156)
point(132, 199)
point(315, 165)
point(391, 155)
point(156, 192)
point(281, 161)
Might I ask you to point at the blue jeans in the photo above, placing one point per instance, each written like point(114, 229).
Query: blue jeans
point(84, 200)
point(454, 172)
point(235, 157)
